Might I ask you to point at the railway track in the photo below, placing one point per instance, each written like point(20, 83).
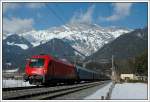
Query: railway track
point(30, 87)
point(20, 88)
point(43, 93)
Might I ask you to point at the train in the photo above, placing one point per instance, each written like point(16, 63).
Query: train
point(45, 70)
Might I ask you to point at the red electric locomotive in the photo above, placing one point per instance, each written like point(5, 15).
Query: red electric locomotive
point(45, 69)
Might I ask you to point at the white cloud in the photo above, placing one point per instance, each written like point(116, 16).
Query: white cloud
point(80, 17)
point(120, 11)
point(10, 6)
point(17, 25)
point(35, 5)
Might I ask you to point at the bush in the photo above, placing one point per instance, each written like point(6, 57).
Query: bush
point(134, 81)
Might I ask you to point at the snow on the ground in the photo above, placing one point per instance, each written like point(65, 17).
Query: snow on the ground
point(11, 71)
point(130, 91)
point(101, 92)
point(14, 83)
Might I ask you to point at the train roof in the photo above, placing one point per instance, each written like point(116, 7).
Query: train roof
point(88, 70)
point(42, 56)
point(53, 58)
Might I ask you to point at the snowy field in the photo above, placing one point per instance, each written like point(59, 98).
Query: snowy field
point(125, 91)
point(101, 92)
point(14, 83)
point(130, 91)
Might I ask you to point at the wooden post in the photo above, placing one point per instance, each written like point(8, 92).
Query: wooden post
point(102, 97)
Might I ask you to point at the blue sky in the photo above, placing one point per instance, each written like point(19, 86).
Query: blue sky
point(26, 16)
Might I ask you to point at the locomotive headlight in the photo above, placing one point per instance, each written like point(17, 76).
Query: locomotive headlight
point(45, 71)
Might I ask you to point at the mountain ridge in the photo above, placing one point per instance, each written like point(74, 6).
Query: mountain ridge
point(128, 45)
point(84, 38)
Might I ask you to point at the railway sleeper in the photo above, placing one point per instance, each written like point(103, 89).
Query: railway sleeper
point(31, 95)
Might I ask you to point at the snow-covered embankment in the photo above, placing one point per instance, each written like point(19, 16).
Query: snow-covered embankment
point(130, 91)
point(14, 83)
point(101, 92)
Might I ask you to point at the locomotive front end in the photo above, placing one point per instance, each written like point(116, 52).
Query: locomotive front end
point(35, 70)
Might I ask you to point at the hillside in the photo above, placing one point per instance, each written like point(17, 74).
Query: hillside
point(126, 46)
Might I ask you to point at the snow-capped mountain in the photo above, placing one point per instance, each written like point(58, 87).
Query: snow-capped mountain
point(85, 38)
point(18, 41)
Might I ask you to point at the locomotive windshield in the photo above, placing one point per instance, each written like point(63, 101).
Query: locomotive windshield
point(36, 62)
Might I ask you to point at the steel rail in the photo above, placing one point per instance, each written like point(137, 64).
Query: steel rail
point(20, 88)
point(46, 92)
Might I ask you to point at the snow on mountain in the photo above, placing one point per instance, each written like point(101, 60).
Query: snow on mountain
point(85, 38)
point(16, 40)
point(89, 38)
point(39, 37)
point(23, 46)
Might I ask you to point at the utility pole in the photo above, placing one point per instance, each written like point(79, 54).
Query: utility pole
point(75, 60)
point(112, 62)
point(113, 69)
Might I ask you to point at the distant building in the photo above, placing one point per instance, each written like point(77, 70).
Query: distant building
point(132, 77)
point(128, 76)
point(11, 74)
point(144, 78)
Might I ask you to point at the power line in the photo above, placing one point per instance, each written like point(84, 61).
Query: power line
point(62, 20)
point(53, 11)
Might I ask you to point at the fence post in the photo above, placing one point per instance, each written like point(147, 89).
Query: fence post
point(110, 91)
point(102, 97)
